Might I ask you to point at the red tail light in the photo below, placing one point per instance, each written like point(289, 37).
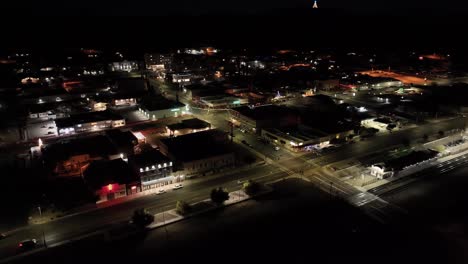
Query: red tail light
point(21, 244)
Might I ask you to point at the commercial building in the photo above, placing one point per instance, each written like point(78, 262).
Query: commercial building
point(88, 122)
point(199, 153)
point(187, 126)
point(111, 179)
point(158, 61)
point(223, 101)
point(154, 169)
point(366, 82)
point(159, 107)
point(124, 66)
point(125, 141)
point(397, 165)
point(254, 119)
point(182, 78)
point(72, 157)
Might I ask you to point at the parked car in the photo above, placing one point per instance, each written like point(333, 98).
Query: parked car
point(177, 186)
point(27, 244)
point(161, 191)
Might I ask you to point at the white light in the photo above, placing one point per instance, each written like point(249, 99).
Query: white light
point(170, 163)
point(153, 167)
point(146, 169)
point(159, 166)
point(141, 169)
point(165, 164)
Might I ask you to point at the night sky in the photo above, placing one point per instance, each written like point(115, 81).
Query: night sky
point(200, 7)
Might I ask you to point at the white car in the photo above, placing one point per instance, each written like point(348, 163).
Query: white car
point(277, 148)
point(177, 186)
point(161, 191)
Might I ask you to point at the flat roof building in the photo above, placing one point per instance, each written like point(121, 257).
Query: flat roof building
point(158, 107)
point(199, 153)
point(88, 122)
point(254, 119)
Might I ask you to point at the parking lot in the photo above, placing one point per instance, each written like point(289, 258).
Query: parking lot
point(41, 130)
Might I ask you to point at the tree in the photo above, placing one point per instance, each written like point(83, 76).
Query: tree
point(425, 137)
point(405, 142)
point(142, 218)
point(183, 208)
point(219, 195)
point(251, 187)
point(441, 133)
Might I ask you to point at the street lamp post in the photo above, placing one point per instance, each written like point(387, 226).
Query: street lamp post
point(43, 233)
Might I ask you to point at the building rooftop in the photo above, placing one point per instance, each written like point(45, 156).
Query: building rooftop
point(410, 159)
point(86, 118)
point(193, 123)
point(263, 112)
point(104, 172)
point(155, 103)
point(97, 146)
point(122, 139)
point(197, 146)
point(148, 158)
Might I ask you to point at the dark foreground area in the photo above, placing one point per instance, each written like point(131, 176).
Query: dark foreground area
point(295, 224)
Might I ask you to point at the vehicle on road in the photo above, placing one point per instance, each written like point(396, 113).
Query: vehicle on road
point(277, 148)
point(27, 244)
point(161, 191)
point(177, 186)
point(246, 143)
point(2, 236)
point(242, 130)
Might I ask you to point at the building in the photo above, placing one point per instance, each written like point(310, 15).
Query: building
point(111, 179)
point(88, 122)
point(46, 111)
point(366, 82)
point(154, 169)
point(182, 78)
point(72, 157)
point(125, 142)
point(199, 153)
point(413, 161)
point(159, 107)
point(222, 101)
point(254, 119)
point(187, 126)
point(158, 61)
point(124, 66)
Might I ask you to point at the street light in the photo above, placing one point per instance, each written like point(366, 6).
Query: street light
point(43, 233)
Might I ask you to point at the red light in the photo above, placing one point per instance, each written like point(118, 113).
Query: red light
point(133, 187)
point(110, 187)
point(21, 244)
